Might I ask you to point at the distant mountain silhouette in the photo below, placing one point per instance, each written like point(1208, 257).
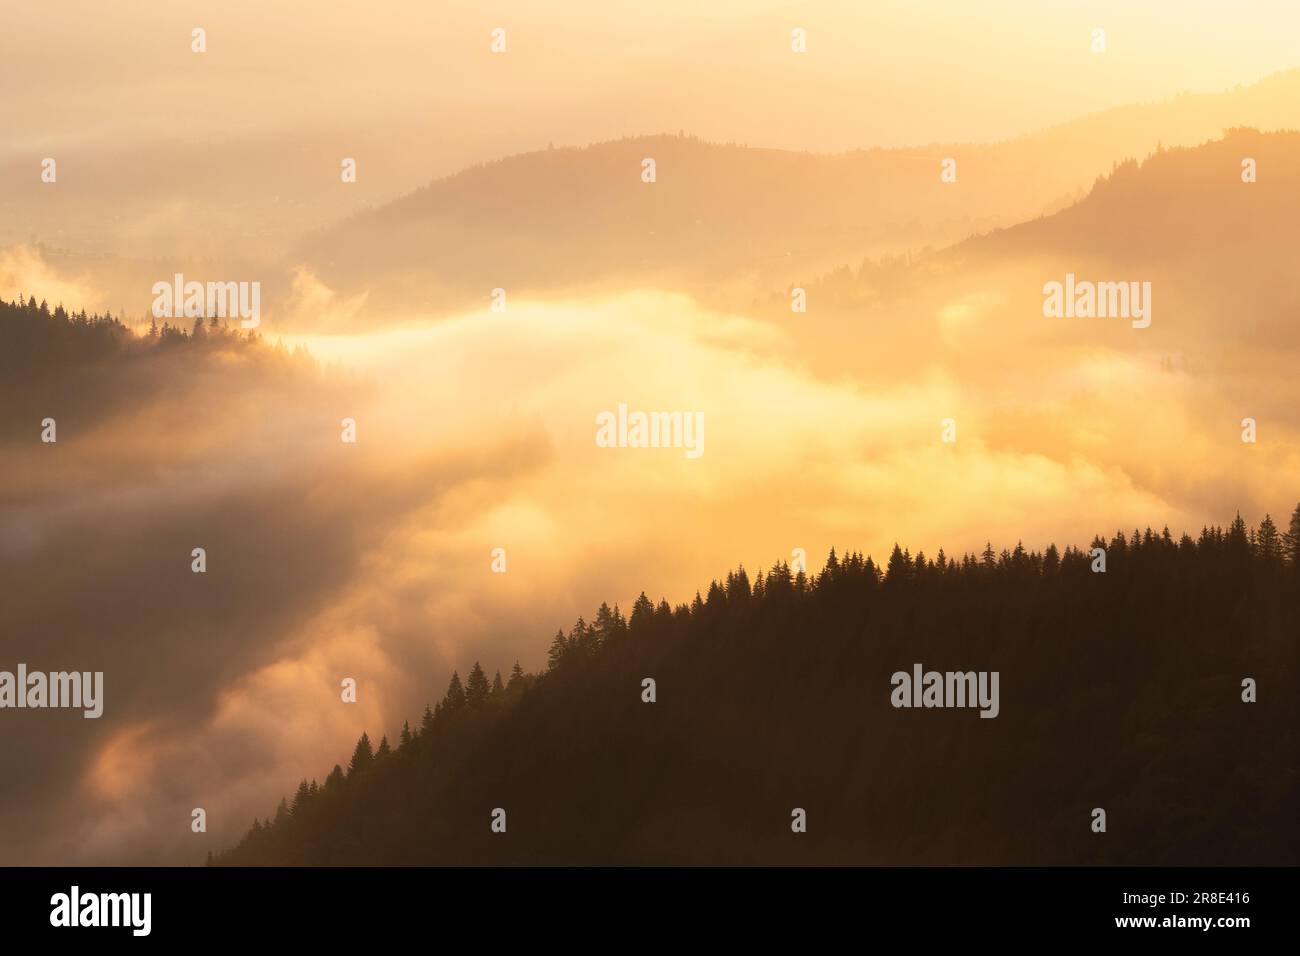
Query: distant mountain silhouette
point(1214, 248)
point(1172, 203)
point(1120, 690)
point(723, 218)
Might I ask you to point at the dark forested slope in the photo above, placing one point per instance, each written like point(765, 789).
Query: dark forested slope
point(85, 369)
point(1120, 690)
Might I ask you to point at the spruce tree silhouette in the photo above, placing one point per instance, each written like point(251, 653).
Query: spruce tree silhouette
point(1293, 540)
point(455, 698)
point(476, 687)
point(361, 757)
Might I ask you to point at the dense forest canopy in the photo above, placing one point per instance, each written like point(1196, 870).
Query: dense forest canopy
point(56, 335)
point(1122, 689)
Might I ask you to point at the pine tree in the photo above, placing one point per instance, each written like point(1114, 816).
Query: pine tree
point(300, 798)
point(642, 613)
point(1292, 538)
point(1237, 532)
point(497, 686)
point(455, 697)
point(581, 636)
point(899, 568)
point(477, 687)
point(384, 750)
point(516, 676)
point(405, 740)
point(1268, 543)
point(602, 628)
point(361, 757)
point(559, 647)
point(426, 722)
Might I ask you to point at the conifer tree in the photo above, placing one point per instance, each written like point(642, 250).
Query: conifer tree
point(559, 647)
point(1292, 538)
point(476, 688)
point(899, 568)
point(602, 628)
point(581, 637)
point(455, 697)
point(642, 613)
point(1268, 542)
point(361, 756)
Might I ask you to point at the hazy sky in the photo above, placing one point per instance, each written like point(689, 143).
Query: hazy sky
point(419, 75)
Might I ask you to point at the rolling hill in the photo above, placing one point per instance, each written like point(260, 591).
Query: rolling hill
point(721, 220)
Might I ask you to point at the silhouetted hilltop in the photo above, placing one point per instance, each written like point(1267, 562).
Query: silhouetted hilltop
point(716, 215)
point(1175, 202)
point(1120, 690)
point(1214, 249)
point(735, 218)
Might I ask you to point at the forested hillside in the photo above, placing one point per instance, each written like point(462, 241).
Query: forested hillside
point(1120, 690)
point(87, 368)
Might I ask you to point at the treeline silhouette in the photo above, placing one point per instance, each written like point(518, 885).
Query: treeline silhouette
point(56, 335)
point(1121, 690)
point(64, 364)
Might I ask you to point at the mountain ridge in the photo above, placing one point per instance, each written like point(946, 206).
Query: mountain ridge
point(740, 217)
